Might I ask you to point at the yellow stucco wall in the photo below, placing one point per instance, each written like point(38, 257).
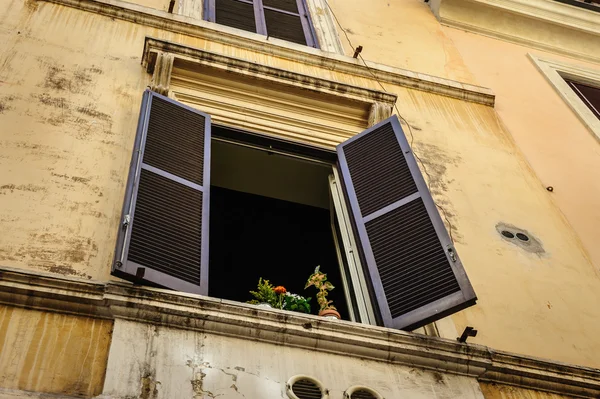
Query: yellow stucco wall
point(70, 92)
point(559, 147)
point(495, 391)
point(53, 353)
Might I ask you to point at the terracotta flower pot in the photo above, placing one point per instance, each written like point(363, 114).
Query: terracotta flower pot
point(330, 313)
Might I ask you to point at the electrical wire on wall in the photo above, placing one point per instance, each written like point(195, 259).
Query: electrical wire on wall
point(412, 138)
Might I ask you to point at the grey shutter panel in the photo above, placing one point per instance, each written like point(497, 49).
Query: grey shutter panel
point(163, 238)
point(415, 272)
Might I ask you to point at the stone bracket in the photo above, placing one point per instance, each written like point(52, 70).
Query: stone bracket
point(379, 112)
point(161, 69)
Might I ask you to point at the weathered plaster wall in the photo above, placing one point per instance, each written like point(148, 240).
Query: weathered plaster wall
point(71, 86)
point(53, 353)
point(529, 302)
point(495, 391)
point(158, 362)
point(561, 150)
point(400, 33)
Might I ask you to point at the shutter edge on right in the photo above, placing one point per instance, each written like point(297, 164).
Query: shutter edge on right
point(381, 176)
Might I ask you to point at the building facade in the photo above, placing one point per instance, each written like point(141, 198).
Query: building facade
point(439, 160)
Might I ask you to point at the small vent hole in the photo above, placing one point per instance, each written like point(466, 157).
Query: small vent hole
point(507, 234)
point(362, 394)
point(306, 389)
point(522, 237)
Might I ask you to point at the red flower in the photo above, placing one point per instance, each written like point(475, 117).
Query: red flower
point(280, 289)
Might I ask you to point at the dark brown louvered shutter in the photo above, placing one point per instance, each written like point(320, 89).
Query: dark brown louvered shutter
point(235, 13)
point(289, 20)
point(163, 239)
point(415, 272)
point(284, 19)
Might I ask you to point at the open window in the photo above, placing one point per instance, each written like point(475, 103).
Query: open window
point(278, 209)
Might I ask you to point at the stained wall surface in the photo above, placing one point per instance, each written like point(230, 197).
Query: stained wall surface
point(71, 83)
point(53, 353)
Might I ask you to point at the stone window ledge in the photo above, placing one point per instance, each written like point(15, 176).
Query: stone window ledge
point(114, 300)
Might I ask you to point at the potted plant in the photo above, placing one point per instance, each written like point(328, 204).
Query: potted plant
point(279, 298)
point(296, 303)
point(319, 280)
point(264, 295)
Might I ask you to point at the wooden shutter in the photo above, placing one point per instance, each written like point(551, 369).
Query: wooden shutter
point(163, 238)
point(284, 19)
point(240, 14)
point(289, 20)
point(415, 272)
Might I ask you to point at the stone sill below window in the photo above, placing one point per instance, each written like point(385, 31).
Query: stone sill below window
point(114, 300)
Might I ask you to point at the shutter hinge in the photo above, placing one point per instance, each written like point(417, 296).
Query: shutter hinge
point(126, 221)
point(452, 253)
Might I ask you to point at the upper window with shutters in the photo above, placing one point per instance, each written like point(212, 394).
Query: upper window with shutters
point(284, 19)
point(277, 209)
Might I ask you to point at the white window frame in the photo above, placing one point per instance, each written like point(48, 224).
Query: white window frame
point(556, 72)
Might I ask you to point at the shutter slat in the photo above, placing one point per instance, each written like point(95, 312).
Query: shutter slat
point(286, 5)
point(168, 123)
point(373, 162)
point(405, 246)
point(143, 242)
point(285, 26)
point(236, 14)
point(167, 204)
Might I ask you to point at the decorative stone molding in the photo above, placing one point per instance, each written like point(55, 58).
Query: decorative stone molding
point(555, 72)
point(280, 48)
point(154, 47)
point(261, 98)
point(194, 312)
point(379, 112)
point(190, 8)
point(542, 24)
point(161, 73)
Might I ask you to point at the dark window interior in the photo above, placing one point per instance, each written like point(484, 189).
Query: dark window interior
point(270, 218)
point(588, 94)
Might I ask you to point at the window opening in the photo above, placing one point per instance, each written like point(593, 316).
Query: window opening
point(590, 95)
point(270, 217)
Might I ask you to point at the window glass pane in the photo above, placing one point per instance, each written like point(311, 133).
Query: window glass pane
point(236, 14)
point(284, 26)
point(590, 96)
point(286, 5)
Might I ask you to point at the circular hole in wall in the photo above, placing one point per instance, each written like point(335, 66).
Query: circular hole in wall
point(507, 234)
point(522, 237)
point(361, 392)
point(302, 387)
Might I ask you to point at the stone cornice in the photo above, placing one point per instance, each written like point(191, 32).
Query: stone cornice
point(194, 312)
point(528, 23)
point(203, 58)
point(280, 48)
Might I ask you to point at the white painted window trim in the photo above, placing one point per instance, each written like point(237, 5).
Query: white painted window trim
point(556, 72)
point(324, 26)
point(320, 16)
